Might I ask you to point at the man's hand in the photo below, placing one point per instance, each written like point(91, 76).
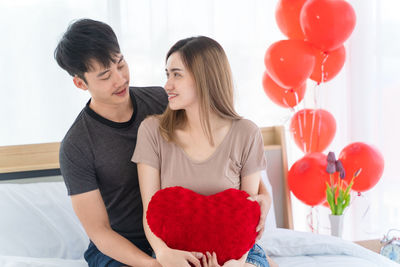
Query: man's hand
point(264, 200)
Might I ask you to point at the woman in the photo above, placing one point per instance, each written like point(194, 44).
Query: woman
point(200, 142)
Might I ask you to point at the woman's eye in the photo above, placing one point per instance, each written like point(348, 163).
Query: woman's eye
point(105, 79)
point(120, 67)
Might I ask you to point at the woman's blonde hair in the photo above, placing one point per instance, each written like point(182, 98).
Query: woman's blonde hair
point(206, 61)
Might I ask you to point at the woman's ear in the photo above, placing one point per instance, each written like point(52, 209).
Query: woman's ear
point(81, 84)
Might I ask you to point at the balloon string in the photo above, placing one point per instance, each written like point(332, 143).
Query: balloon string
point(312, 129)
point(310, 221)
point(301, 130)
point(324, 58)
point(296, 97)
point(317, 218)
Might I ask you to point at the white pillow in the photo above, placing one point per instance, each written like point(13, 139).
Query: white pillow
point(37, 220)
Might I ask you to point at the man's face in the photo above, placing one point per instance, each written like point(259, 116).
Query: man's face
point(109, 86)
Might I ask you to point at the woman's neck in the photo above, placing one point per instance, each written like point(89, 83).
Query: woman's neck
point(194, 127)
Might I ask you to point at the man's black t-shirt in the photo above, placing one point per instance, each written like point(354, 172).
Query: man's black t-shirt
point(96, 154)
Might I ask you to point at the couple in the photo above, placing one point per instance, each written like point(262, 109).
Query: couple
point(195, 140)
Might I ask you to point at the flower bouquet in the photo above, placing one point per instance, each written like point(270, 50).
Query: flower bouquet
point(337, 192)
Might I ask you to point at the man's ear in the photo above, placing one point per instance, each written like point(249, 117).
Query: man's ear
point(81, 84)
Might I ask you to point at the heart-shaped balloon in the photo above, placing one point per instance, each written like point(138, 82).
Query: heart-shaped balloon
point(313, 129)
point(287, 17)
point(283, 97)
point(289, 62)
point(366, 157)
point(328, 64)
point(327, 23)
point(307, 178)
point(224, 223)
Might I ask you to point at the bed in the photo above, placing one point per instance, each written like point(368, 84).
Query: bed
point(39, 228)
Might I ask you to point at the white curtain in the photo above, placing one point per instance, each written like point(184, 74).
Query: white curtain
point(39, 102)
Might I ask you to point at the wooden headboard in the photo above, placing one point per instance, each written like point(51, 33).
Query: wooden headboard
point(277, 169)
point(29, 161)
point(41, 160)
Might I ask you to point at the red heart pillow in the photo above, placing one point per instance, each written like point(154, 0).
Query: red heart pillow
point(224, 223)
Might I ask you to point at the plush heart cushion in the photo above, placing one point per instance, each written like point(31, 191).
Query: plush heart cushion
point(224, 223)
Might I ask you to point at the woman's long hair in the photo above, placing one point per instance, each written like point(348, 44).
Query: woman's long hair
point(206, 61)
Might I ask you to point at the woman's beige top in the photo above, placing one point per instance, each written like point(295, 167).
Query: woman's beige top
point(239, 154)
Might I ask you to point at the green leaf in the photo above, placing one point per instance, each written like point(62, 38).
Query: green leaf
point(330, 199)
point(346, 201)
point(348, 188)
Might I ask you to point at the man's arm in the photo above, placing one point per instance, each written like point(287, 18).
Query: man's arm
point(90, 209)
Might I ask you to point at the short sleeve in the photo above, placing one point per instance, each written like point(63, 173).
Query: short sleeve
point(77, 169)
point(147, 146)
point(254, 158)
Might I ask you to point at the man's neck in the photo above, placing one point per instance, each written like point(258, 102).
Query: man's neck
point(116, 113)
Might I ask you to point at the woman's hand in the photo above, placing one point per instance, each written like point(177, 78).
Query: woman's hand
point(177, 258)
point(209, 260)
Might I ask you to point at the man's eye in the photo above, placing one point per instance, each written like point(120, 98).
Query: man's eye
point(120, 67)
point(176, 74)
point(105, 79)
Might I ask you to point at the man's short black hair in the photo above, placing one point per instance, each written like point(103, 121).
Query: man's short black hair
point(86, 40)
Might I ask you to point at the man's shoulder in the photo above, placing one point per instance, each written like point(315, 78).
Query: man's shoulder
point(153, 99)
point(149, 92)
point(76, 135)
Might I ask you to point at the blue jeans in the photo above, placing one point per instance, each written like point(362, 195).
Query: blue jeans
point(95, 258)
point(257, 257)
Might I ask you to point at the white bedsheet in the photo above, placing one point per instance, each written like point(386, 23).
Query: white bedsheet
point(292, 248)
point(14, 261)
point(39, 228)
point(37, 220)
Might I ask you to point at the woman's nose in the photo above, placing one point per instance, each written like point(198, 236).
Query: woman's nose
point(168, 85)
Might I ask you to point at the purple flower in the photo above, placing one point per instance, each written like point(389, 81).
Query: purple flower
point(340, 169)
point(331, 168)
point(331, 157)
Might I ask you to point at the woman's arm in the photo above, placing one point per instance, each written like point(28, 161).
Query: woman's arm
point(264, 200)
point(251, 183)
point(149, 182)
point(254, 186)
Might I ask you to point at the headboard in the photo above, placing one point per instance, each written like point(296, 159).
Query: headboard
point(22, 163)
point(277, 169)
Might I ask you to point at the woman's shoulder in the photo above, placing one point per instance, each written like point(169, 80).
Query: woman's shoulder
point(246, 125)
point(151, 123)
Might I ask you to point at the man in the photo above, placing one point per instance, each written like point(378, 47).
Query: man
point(95, 154)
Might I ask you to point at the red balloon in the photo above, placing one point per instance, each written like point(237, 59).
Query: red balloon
point(283, 97)
point(313, 129)
point(289, 62)
point(368, 158)
point(331, 63)
point(307, 178)
point(327, 23)
point(287, 17)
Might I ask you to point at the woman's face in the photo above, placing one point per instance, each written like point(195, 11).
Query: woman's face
point(180, 85)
